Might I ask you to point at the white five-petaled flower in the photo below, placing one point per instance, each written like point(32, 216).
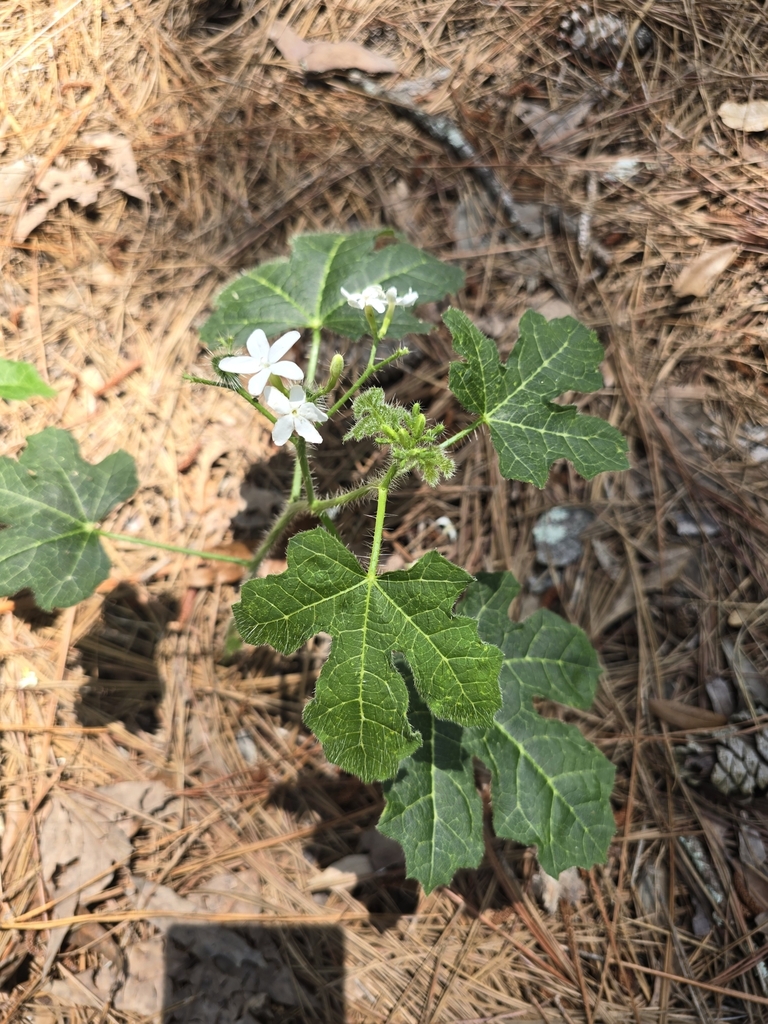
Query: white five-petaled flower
point(294, 414)
point(408, 299)
point(264, 359)
point(378, 299)
point(373, 295)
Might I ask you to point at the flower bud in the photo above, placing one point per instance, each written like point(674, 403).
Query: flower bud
point(335, 371)
point(419, 423)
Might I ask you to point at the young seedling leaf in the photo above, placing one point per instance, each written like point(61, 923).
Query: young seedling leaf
point(359, 712)
point(21, 380)
point(529, 431)
point(50, 500)
point(433, 808)
point(304, 291)
point(550, 786)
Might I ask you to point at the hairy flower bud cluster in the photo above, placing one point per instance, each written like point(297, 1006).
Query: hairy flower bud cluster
point(413, 445)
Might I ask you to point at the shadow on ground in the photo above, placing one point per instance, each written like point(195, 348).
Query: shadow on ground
point(118, 654)
point(218, 974)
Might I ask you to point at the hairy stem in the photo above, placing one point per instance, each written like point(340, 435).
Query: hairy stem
point(322, 504)
point(213, 556)
point(367, 372)
point(280, 524)
point(296, 482)
point(461, 434)
point(329, 525)
point(303, 463)
point(378, 531)
point(314, 354)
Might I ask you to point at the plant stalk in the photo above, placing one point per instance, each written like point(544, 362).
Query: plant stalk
point(461, 434)
point(213, 556)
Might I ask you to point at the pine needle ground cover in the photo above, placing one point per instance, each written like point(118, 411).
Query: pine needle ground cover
point(226, 805)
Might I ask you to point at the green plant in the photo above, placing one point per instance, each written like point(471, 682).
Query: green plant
point(414, 688)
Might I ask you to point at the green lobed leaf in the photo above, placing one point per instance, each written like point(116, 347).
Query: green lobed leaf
point(433, 808)
point(20, 380)
point(359, 711)
point(550, 786)
point(304, 291)
point(50, 500)
point(529, 431)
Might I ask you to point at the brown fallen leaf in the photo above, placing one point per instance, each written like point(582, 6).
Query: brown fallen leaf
point(144, 986)
point(698, 277)
point(118, 155)
point(77, 182)
point(552, 128)
point(13, 179)
point(745, 117)
point(78, 847)
point(685, 716)
point(320, 56)
point(658, 577)
point(210, 571)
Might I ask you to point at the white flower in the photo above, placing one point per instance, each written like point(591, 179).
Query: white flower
point(264, 360)
point(294, 414)
point(405, 300)
point(373, 296)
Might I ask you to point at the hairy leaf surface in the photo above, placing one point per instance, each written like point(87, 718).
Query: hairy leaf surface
point(433, 807)
point(50, 500)
point(359, 711)
point(550, 786)
point(529, 431)
point(19, 380)
point(304, 291)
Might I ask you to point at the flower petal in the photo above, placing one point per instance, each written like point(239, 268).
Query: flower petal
point(305, 429)
point(311, 412)
point(258, 382)
point(277, 401)
point(282, 430)
point(287, 369)
point(258, 346)
point(239, 364)
point(278, 348)
point(297, 395)
point(408, 299)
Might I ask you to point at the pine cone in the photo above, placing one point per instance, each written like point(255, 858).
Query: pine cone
point(734, 764)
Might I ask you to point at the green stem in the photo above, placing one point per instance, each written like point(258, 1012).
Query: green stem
point(321, 505)
point(211, 555)
point(314, 354)
point(370, 316)
point(378, 531)
point(367, 372)
point(296, 484)
point(257, 405)
point(461, 434)
point(238, 391)
point(281, 522)
point(329, 525)
point(301, 452)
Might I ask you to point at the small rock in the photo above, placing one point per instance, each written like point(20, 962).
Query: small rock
point(343, 874)
point(383, 851)
point(557, 535)
point(687, 526)
point(246, 746)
